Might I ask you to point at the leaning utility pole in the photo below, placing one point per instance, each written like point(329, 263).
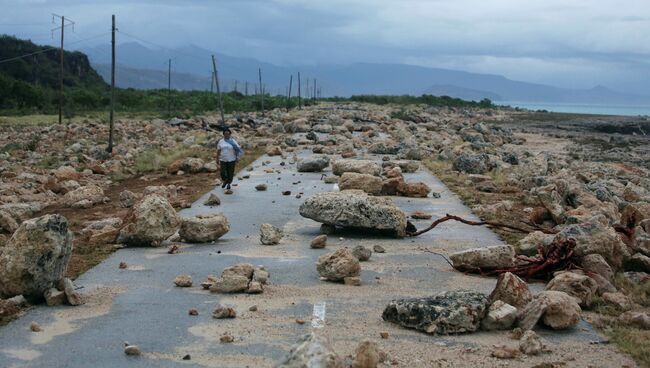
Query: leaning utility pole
point(110, 129)
point(261, 90)
point(63, 20)
point(169, 88)
point(216, 78)
point(299, 104)
point(211, 82)
point(289, 94)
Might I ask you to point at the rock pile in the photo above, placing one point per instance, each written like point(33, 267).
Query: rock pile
point(242, 277)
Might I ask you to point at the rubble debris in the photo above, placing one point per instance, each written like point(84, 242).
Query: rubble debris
point(362, 253)
point(183, 281)
point(311, 350)
point(204, 228)
point(556, 309)
point(242, 277)
point(500, 316)
point(511, 290)
point(446, 313)
point(213, 200)
point(222, 312)
point(579, 286)
point(530, 343)
point(338, 265)
point(35, 327)
point(484, 259)
point(319, 242)
point(315, 163)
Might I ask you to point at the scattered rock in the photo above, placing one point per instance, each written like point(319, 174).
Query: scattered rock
point(319, 242)
point(365, 182)
point(504, 352)
point(449, 312)
point(316, 163)
point(261, 187)
point(35, 327)
point(212, 200)
point(417, 190)
point(419, 215)
point(270, 235)
point(618, 300)
point(193, 312)
point(511, 290)
point(362, 253)
point(127, 199)
point(556, 309)
point(204, 228)
point(352, 208)
point(635, 319)
point(226, 338)
point(352, 280)
point(367, 355)
point(378, 249)
point(224, 312)
point(383, 334)
point(357, 166)
point(242, 277)
point(72, 297)
point(580, 286)
point(338, 265)
point(153, 220)
point(35, 257)
point(54, 296)
point(123, 265)
point(133, 350)
point(311, 351)
point(183, 281)
point(487, 258)
point(531, 343)
point(500, 316)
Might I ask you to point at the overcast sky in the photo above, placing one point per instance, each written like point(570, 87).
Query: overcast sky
point(581, 45)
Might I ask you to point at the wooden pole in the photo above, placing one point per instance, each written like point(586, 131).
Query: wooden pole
point(110, 129)
point(216, 79)
point(314, 89)
point(212, 82)
point(261, 90)
point(289, 94)
point(299, 102)
point(61, 73)
point(169, 88)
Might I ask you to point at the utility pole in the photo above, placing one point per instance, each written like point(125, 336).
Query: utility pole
point(261, 90)
point(62, 27)
point(307, 94)
point(216, 78)
point(110, 129)
point(212, 82)
point(299, 102)
point(246, 88)
point(169, 88)
point(314, 89)
point(289, 94)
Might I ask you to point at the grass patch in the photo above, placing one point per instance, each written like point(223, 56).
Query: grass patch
point(158, 159)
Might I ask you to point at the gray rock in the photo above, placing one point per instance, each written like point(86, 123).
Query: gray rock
point(35, 257)
point(368, 183)
point(500, 316)
point(338, 265)
point(127, 199)
point(358, 166)
point(594, 237)
point(71, 295)
point(84, 197)
point(579, 286)
point(449, 312)
point(311, 351)
point(638, 263)
point(556, 309)
point(154, 220)
point(596, 263)
point(530, 343)
point(355, 209)
point(492, 257)
point(472, 164)
point(212, 200)
point(315, 163)
point(270, 235)
point(319, 242)
point(362, 253)
point(204, 228)
point(54, 296)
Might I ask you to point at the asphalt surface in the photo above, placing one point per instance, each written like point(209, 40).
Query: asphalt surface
point(141, 305)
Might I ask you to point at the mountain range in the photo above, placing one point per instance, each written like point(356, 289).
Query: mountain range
point(145, 67)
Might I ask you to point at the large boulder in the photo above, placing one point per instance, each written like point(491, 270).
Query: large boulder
point(316, 163)
point(556, 309)
point(84, 197)
point(579, 286)
point(472, 164)
point(449, 312)
point(312, 351)
point(152, 220)
point(368, 183)
point(338, 265)
point(358, 166)
point(241, 277)
point(36, 257)
point(204, 228)
point(596, 237)
point(512, 290)
point(356, 209)
point(486, 258)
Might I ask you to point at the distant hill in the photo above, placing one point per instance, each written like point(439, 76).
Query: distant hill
point(34, 80)
point(356, 79)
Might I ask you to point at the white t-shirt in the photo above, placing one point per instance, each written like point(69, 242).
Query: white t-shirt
point(228, 153)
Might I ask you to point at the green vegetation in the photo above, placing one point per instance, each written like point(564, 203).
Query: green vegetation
point(414, 100)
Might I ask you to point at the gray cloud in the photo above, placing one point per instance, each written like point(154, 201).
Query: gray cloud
point(581, 44)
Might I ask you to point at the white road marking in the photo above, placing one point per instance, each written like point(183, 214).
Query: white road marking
point(318, 316)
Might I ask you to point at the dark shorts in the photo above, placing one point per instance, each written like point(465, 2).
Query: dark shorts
point(227, 171)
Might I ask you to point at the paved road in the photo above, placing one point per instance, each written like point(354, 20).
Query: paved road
point(141, 305)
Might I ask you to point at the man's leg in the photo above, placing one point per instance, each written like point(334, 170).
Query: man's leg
point(224, 173)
